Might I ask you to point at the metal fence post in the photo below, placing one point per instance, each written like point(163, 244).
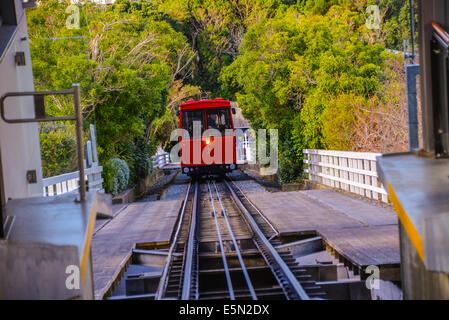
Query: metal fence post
point(411, 71)
point(79, 140)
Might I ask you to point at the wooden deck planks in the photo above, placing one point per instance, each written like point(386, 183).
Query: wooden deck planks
point(355, 208)
point(295, 211)
point(376, 245)
point(363, 233)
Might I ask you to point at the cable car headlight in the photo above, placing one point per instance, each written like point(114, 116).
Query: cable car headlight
point(186, 170)
point(232, 166)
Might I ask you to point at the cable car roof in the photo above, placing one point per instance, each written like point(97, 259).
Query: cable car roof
point(196, 104)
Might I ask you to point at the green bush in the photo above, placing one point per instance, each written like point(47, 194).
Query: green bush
point(290, 164)
point(143, 165)
point(137, 154)
point(58, 149)
point(116, 176)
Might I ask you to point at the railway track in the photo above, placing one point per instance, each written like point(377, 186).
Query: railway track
point(224, 248)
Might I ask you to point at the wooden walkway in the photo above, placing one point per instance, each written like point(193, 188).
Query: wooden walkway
point(356, 231)
point(135, 223)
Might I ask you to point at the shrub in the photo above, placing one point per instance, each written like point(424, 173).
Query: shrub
point(290, 170)
point(143, 165)
point(58, 149)
point(116, 176)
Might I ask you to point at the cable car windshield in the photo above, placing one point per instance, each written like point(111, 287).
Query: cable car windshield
point(219, 119)
point(188, 119)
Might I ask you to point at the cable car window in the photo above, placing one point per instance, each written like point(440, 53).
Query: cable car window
point(189, 117)
point(219, 119)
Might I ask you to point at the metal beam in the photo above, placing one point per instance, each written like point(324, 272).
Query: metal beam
point(411, 71)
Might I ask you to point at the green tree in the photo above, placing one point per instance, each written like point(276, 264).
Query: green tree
point(299, 73)
point(126, 58)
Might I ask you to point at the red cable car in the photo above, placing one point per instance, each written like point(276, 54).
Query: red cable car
point(207, 139)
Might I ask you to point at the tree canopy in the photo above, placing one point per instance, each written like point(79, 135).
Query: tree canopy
point(311, 69)
point(310, 76)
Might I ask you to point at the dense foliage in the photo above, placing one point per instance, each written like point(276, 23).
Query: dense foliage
point(58, 149)
point(130, 65)
point(307, 75)
point(309, 68)
point(116, 175)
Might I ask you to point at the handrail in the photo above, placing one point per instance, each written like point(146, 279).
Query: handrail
point(69, 182)
point(160, 160)
point(441, 32)
point(347, 170)
point(346, 154)
point(68, 176)
point(41, 117)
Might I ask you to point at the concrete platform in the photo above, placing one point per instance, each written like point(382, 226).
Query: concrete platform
point(357, 232)
point(46, 235)
point(135, 225)
point(418, 187)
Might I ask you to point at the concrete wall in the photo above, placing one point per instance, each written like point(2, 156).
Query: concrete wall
point(417, 282)
point(19, 143)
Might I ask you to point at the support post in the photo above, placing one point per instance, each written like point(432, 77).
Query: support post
point(79, 140)
point(412, 30)
point(411, 71)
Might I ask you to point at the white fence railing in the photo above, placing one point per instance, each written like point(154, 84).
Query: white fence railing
point(350, 171)
point(160, 160)
point(69, 182)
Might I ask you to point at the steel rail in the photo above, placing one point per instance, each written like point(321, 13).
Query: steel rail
point(163, 281)
point(223, 256)
point(255, 208)
point(290, 277)
point(237, 250)
point(191, 251)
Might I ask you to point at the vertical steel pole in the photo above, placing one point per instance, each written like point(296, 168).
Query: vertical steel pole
point(412, 30)
point(411, 71)
point(79, 140)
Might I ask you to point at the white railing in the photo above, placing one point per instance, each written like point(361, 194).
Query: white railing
point(69, 182)
point(160, 160)
point(355, 172)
